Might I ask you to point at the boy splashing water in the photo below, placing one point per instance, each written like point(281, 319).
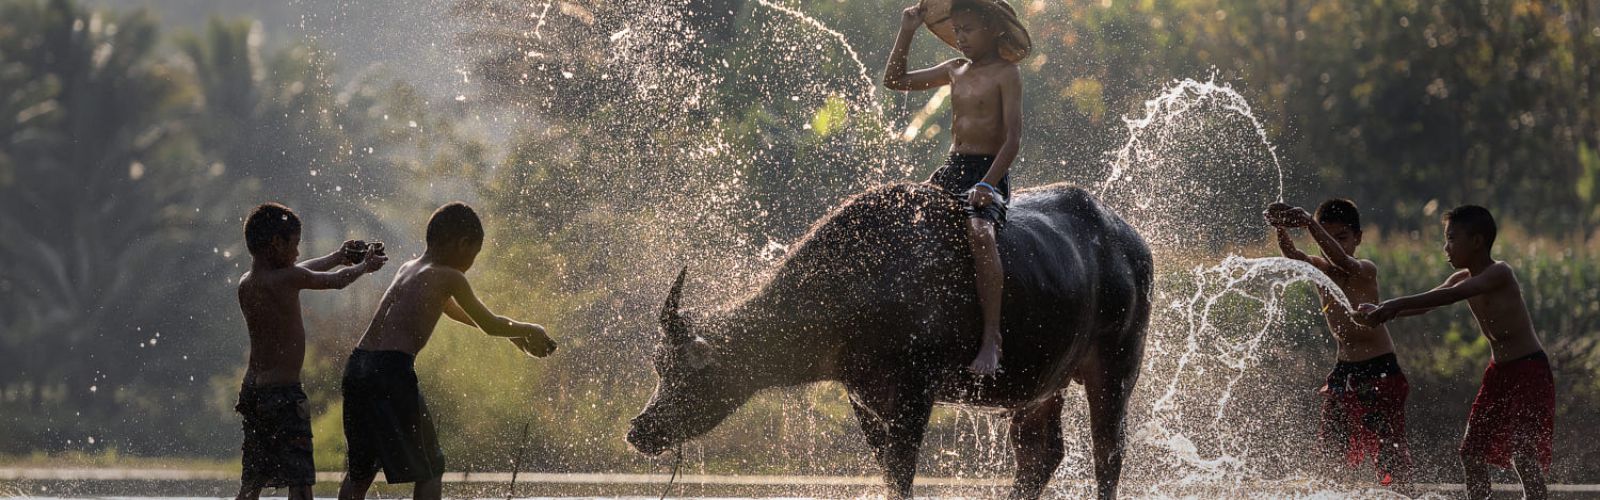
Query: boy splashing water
point(277, 420)
point(985, 127)
point(1513, 417)
point(386, 421)
point(1364, 400)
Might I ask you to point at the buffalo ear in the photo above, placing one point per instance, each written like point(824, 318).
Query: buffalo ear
point(673, 325)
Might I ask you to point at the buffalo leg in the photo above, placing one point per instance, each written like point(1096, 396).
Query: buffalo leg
point(1036, 437)
point(1107, 388)
point(893, 422)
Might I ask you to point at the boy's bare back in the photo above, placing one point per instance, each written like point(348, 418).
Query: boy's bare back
point(421, 292)
point(411, 307)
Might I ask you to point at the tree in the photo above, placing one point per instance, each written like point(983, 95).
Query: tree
point(101, 230)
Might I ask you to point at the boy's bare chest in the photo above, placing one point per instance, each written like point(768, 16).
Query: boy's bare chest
point(974, 91)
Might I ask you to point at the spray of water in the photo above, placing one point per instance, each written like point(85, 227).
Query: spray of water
point(1186, 176)
point(1197, 167)
point(1207, 414)
point(1233, 311)
point(1167, 108)
point(868, 84)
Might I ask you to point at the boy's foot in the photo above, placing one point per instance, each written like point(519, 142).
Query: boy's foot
point(987, 362)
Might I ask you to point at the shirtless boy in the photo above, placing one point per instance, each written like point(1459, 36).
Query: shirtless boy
point(1364, 399)
point(1513, 417)
point(386, 421)
point(277, 421)
point(985, 128)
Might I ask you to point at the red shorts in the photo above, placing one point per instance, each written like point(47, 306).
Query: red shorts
point(1364, 415)
point(1514, 413)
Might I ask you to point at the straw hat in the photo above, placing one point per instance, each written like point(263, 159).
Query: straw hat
point(1014, 42)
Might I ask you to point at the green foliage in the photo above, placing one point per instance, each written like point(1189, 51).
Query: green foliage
point(127, 167)
point(829, 117)
point(126, 164)
point(102, 221)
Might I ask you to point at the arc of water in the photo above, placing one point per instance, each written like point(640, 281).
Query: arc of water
point(867, 81)
point(1172, 104)
point(1230, 277)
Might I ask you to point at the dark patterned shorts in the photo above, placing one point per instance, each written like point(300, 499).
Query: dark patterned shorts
point(958, 176)
point(277, 436)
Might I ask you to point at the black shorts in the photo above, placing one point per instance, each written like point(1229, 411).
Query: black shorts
point(386, 422)
point(277, 437)
point(961, 173)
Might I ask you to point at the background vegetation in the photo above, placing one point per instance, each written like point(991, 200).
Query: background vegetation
point(130, 150)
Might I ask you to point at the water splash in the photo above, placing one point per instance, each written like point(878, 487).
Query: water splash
point(1206, 415)
point(1182, 97)
point(1181, 173)
point(1189, 172)
point(867, 83)
point(1221, 327)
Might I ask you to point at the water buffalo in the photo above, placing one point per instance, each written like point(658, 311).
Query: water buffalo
point(879, 296)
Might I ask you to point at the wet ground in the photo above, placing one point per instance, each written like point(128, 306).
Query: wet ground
point(217, 484)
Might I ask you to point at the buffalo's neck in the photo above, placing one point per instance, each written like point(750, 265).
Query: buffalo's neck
point(783, 343)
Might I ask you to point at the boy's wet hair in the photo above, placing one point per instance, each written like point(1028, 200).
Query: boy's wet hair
point(452, 222)
point(1475, 220)
point(1340, 211)
point(266, 222)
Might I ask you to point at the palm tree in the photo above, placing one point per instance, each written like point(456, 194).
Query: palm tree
point(97, 217)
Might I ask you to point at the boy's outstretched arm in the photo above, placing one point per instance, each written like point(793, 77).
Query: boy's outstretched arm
point(1459, 287)
point(1332, 252)
point(1286, 245)
point(895, 76)
point(1454, 278)
point(453, 311)
point(305, 278)
point(330, 261)
point(529, 338)
point(479, 314)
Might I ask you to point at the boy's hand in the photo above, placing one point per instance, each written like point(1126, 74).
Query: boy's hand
point(1298, 217)
point(375, 261)
point(1370, 315)
point(980, 197)
point(1274, 213)
point(1284, 215)
point(534, 342)
point(354, 251)
point(911, 18)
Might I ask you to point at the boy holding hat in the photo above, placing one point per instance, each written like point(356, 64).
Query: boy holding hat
point(985, 128)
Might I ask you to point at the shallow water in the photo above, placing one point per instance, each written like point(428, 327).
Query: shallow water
point(644, 486)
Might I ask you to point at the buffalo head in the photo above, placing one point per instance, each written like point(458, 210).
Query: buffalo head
point(696, 386)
